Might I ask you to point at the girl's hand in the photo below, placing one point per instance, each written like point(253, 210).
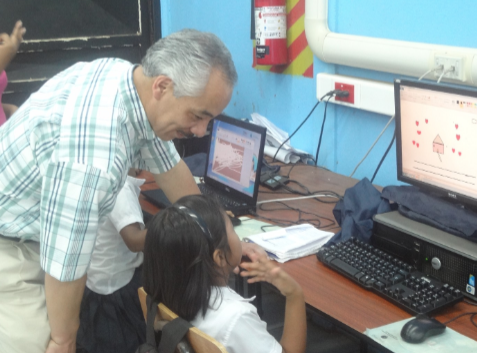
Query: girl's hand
point(14, 40)
point(265, 270)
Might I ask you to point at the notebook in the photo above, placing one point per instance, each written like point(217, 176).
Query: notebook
point(232, 173)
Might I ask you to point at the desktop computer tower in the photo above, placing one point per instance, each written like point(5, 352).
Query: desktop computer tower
point(446, 257)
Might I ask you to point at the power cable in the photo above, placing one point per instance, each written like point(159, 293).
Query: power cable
point(321, 132)
point(440, 67)
point(304, 121)
point(372, 146)
point(384, 157)
point(450, 69)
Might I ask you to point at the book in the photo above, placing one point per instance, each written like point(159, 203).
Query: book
point(290, 243)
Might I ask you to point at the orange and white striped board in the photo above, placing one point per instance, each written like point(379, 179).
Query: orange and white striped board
point(300, 56)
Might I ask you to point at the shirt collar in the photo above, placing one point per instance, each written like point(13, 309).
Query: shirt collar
point(229, 294)
point(134, 109)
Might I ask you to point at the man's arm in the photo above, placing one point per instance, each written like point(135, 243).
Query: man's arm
point(63, 301)
point(177, 182)
point(134, 237)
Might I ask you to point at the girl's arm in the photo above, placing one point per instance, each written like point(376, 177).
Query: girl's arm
point(294, 331)
point(134, 237)
point(9, 109)
point(9, 44)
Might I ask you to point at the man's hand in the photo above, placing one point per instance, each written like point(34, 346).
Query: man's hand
point(63, 301)
point(67, 347)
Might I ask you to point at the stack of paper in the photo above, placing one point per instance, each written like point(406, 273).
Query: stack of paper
point(275, 137)
point(292, 242)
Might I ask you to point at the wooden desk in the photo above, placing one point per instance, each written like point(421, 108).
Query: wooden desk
point(326, 291)
point(334, 295)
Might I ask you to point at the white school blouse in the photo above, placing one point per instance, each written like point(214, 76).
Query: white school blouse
point(234, 322)
point(112, 263)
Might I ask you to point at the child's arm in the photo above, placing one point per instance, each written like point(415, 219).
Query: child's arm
point(9, 44)
point(9, 109)
point(294, 331)
point(134, 237)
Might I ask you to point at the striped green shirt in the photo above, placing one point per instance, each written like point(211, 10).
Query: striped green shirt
point(64, 156)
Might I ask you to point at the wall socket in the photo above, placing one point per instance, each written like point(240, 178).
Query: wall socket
point(373, 96)
point(448, 61)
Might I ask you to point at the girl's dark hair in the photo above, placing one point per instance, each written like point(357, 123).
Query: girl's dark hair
point(179, 269)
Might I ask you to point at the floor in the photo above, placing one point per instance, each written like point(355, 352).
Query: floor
point(322, 336)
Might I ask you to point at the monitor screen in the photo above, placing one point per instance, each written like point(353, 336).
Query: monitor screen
point(234, 155)
point(436, 138)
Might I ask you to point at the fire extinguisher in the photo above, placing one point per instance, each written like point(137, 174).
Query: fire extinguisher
point(271, 32)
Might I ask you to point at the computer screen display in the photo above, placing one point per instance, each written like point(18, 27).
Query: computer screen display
point(234, 155)
point(436, 136)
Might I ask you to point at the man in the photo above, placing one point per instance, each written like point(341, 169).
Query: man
point(64, 156)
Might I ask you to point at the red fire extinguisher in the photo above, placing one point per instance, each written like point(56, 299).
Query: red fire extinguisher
point(271, 32)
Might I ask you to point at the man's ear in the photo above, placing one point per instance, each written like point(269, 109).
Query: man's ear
point(160, 85)
point(219, 258)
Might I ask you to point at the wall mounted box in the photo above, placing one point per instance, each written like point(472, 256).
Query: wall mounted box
point(373, 96)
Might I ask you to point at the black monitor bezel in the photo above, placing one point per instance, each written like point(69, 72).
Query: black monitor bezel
point(449, 195)
point(250, 200)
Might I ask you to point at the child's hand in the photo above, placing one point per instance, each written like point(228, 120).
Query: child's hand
point(14, 40)
point(265, 270)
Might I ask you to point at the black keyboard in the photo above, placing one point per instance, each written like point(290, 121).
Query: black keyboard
point(226, 201)
point(389, 277)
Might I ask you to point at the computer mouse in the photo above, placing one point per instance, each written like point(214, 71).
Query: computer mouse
point(235, 221)
point(420, 328)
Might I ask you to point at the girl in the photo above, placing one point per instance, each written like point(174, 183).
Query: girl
point(9, 45)
point(190, 251)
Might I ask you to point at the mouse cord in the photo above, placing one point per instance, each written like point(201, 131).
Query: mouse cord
point(464, 314)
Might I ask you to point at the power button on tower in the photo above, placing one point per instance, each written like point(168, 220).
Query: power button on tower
point(436, 263)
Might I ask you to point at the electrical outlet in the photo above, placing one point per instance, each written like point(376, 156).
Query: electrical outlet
point(345, 87)
point(369, 95)
point(447, 62)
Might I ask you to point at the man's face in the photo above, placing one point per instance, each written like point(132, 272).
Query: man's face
point(172, 117)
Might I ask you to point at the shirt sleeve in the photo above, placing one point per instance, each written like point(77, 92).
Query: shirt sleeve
point(158, 156)
point(74, 198)
point(127, 209)
point(249, 334)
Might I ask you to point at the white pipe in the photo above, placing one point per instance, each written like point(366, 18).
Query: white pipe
point(399, 57)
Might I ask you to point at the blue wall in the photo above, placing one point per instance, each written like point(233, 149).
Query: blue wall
point(286, 100)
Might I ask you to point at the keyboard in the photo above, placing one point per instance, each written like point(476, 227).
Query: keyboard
point(389, 277)
point(226, 201)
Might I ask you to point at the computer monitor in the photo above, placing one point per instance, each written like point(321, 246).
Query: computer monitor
point(436, 139)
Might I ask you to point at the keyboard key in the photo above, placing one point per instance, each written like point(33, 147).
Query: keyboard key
point(364, 279)
point(407, 301)
point(371, 282)
point(344, 267)
point(396, 279)
point(425, 307)
point(438, 302)
point(359, 275)
point(379, 285)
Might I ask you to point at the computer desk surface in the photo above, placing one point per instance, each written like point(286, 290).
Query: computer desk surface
point(326, 291)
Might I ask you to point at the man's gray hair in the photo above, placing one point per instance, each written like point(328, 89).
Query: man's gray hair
point(188, 57)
